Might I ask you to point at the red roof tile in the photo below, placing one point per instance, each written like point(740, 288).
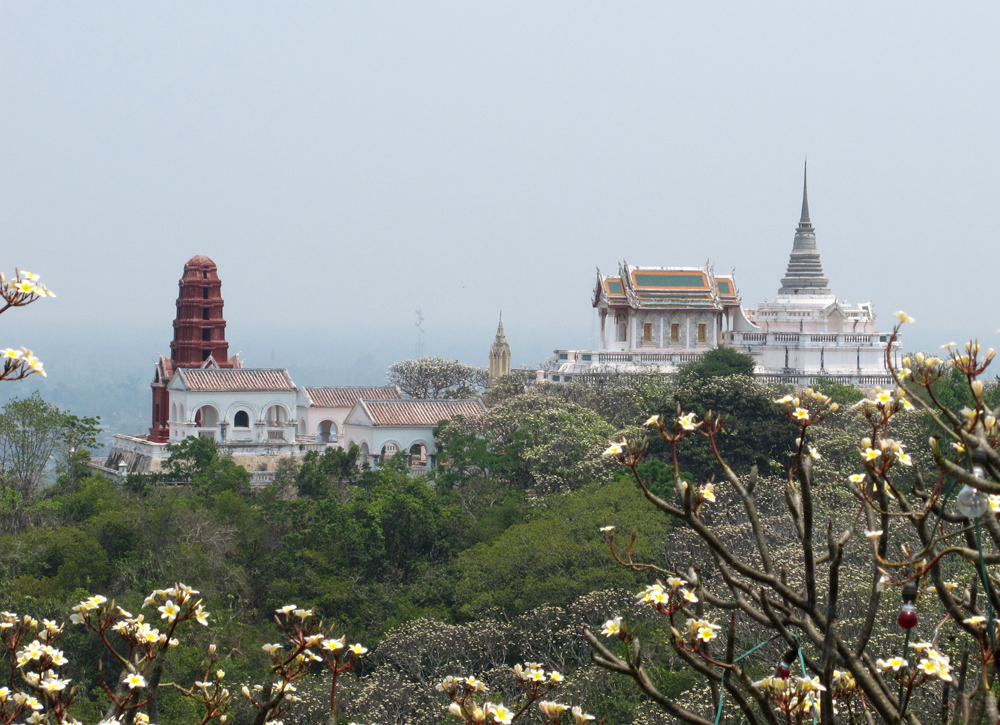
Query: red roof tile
point(236, 379)
point(348, 396)
point(420, 412)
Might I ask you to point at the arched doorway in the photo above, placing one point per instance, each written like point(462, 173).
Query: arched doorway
point(277, 418)
point(327, 432)
point(388, 451)
point(418, 455)
point(207, 419)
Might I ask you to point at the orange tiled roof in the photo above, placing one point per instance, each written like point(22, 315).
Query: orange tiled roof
point(236, 378)
point(346, 397)
point(419, 412)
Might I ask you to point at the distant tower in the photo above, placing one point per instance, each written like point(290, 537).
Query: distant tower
point(199, 336)
point(804, 275)
point(499, 355)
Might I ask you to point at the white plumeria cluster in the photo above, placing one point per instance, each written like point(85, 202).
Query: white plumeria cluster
point(885, 402)
point(452, 685)
point(310, 643)
point(807, 406)
point(16, 364)
point(476, 714)
point(662, 596)
point(178, 602)
point(23, 289)
point(20, 704)
point(844, 680)
point(884, 453)
point(793, 695)
point(533, 678)
point(20, 361)
point(553, 712)
point(38, 661)
point(700, 630)
point(532, 672)
point(931, 663)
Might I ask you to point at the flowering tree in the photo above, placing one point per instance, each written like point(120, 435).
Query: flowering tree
point(809, 614)
point(20, 291)
point(37, 691)
point(435, 377)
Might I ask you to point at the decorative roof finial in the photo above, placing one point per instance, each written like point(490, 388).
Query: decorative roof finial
point(804, 221)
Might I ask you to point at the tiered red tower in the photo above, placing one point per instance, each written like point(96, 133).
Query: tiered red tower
point(199, 336)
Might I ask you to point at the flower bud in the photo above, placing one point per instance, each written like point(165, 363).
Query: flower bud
point(977, 389)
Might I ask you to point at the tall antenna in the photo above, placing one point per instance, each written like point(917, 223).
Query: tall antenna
point(420, 333)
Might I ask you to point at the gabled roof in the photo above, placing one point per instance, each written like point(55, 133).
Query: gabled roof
point(346, 397)
point(419, 413)
point(234, 379)
point(610, 289)
point(725, 285)
point(666, 288)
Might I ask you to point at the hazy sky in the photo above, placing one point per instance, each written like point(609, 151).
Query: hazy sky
point(347, 163)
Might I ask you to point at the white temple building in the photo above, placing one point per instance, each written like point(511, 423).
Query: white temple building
point(259, 415)
point(658, 318)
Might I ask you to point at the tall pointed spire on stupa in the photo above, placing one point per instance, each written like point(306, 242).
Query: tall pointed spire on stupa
point(804, 220)
point(804, 275)
point(499, 354)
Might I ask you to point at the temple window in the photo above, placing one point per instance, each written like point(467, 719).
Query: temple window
point(206, 334)
point(205, 354)
point(204, 313)
point(621, 329)
point(675, 332)
point(241, 419)
point(204, 293)
point(647, 332)
point(702, 332)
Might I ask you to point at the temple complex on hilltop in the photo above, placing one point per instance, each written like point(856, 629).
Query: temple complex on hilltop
point(652, 319)
point(658, 318)
point(259, 415)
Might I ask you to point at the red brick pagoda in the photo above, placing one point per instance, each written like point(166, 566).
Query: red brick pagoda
point(199, 336)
